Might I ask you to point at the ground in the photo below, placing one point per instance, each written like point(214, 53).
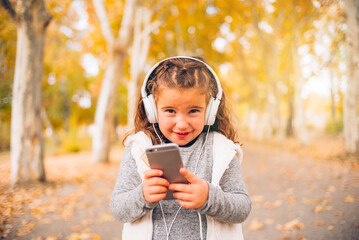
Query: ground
point(297, 193)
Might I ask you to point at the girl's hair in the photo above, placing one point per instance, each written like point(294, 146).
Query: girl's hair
point(184, 73)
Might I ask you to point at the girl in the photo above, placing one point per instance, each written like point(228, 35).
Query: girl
point(182, 102)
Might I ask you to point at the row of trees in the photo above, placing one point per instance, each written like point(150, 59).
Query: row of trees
point(257, 47)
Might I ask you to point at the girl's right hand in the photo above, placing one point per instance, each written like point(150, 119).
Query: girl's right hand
point(154, 187)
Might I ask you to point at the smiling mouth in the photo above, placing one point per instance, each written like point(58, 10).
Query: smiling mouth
point(182, 135)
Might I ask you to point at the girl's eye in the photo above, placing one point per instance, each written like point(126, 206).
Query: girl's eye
point(194, 111)
point(170, 111)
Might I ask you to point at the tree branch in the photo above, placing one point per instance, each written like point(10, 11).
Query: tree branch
point(127, 21)
point(9, 9)
point(104, 23)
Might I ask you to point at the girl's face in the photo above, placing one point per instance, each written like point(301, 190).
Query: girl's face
point(181, 114)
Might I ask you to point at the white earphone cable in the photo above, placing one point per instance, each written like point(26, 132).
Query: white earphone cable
point(195, 171)
point(157, 133)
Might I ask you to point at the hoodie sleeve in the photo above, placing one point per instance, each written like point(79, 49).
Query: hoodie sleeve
point(230, 202)
point(127, 202)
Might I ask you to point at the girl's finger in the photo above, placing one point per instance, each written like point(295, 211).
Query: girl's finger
point(183, 196)
point(191, 178)
point(153, 173)
point(157, 181)
point(180, 187)
point(157, 190)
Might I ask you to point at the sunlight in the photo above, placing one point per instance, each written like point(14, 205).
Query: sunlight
point(80, 8)
point(266, 27)
point(90, 64)
point(51, 80)
point(220, 44)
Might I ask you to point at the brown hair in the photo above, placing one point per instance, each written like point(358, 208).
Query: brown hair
point(184, 73)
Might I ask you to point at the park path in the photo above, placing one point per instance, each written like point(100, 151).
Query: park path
point(294, 197)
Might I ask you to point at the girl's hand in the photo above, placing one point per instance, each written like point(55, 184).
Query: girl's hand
point(154, 187)
point(193, 195)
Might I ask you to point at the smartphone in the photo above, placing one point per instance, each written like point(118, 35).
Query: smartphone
point(167, 158)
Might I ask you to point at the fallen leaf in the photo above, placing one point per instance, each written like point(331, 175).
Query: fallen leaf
point(338, 213)
point(51, 237)
point(350, 199)
point(312, 201)
point(275, 204)
point(27, 228)
point(319, 223)
point(330, 227)
point(256, 225)
point(292, 200)
point(76, 228)
point(293, 224)
point(319, 208)
point(257, 198)
point(269, 221)
point(107, 218)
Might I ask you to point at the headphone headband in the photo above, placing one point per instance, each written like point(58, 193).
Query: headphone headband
point(143, 89)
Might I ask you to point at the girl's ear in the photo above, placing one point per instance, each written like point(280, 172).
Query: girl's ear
point(150, 107)
point(211, 111)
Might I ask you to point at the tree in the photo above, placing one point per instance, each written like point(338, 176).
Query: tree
point(117, 51)
point(351, 98)
point(26, 127)
point(140, 48)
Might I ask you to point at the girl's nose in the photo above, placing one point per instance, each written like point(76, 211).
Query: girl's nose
point(181, 122)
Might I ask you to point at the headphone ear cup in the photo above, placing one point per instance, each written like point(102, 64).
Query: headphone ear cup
point(211, 111)
point(150, 108)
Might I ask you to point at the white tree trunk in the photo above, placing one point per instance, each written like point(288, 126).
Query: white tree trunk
point(117, 50)
point(101, 139)
point(140, 48)
point(27, 145)
point(299, 124)
point(351, 98)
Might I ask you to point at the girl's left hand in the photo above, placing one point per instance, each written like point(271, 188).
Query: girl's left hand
point(193, 195)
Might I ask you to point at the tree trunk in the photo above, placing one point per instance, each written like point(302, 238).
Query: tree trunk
point(117, 50)
point(104, 127)
point(140, 48)
point(351, 99)
point(299, 111)
point(27, 145)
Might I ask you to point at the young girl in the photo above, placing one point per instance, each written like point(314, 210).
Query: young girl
point(182, 102)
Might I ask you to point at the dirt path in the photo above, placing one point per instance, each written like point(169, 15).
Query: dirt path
point(293, 198)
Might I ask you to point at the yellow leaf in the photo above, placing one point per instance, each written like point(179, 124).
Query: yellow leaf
point(319, 208)
point(312, 201)
point(350, 199)
point(107, 218)
point(293, 224)
point(257, 198)
point(319, 223)
point(330, 227)
point(256, 225)
point(338, 213)
point(96, 237)
point(51, 237)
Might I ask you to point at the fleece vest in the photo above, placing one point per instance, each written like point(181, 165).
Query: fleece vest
point(223, 152)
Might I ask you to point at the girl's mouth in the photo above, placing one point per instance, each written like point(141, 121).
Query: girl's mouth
point(182, 135)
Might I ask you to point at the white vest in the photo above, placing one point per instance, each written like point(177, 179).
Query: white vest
point(223, 152)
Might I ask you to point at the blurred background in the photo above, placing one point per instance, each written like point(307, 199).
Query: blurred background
point(283, 64)
point(289, 69)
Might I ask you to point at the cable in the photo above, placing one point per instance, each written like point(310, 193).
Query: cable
point(157, 133)
point(200, 225)
point(204, 144)
point(195, 171)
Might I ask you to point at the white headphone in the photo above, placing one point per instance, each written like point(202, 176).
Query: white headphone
point(150, 104)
